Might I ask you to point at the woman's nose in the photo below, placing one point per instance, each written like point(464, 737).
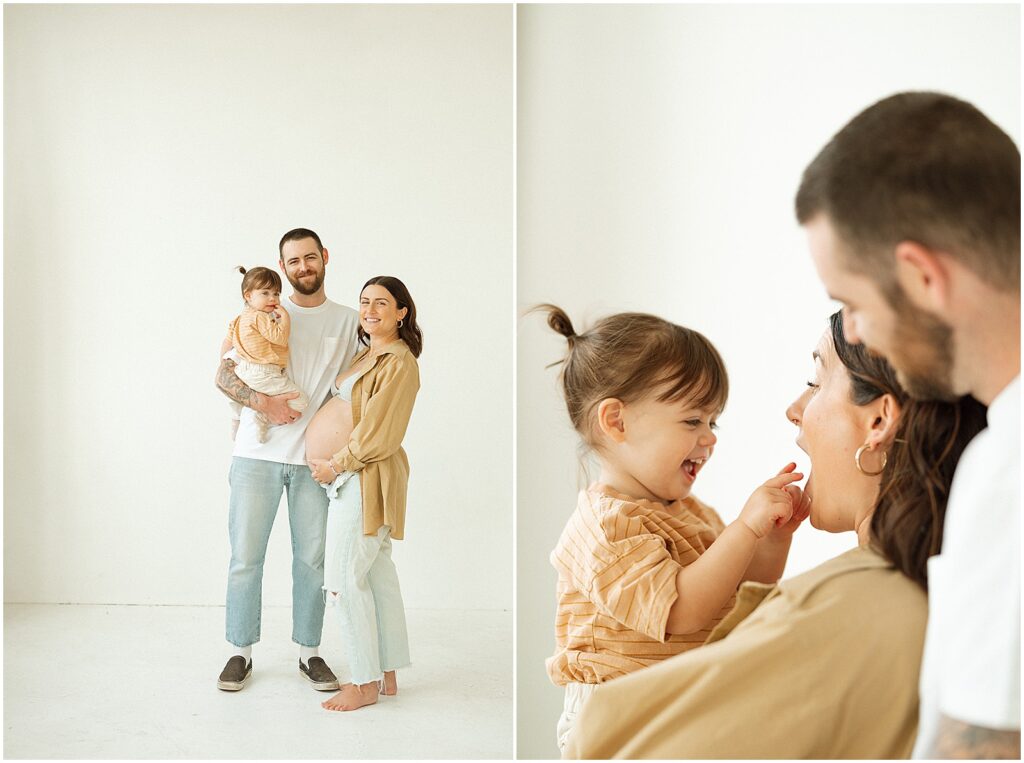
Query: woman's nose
point(795, 412)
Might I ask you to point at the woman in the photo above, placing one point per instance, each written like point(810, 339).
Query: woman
point(825, 664)
point(354, 448)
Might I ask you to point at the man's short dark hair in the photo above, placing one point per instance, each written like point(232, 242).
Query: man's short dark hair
point(297, 234)
point(923, 167)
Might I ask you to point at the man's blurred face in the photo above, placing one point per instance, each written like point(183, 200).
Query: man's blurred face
point(917, 344)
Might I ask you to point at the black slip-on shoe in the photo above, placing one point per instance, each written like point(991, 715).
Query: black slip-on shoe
point(318, 674)
point(235, 674)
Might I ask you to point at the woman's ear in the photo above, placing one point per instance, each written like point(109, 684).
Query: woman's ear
point(402, 313)
point(885, 419)
point(610, 419)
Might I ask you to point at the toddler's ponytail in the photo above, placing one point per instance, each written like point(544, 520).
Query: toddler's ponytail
point(558, 320)
point(630, 355)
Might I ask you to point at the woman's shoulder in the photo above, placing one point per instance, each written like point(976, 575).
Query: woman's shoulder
point(395, 366)
point(858, 583)
point(398, 354)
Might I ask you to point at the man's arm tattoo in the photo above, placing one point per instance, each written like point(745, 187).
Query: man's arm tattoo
point(232, 386)
point(956, 739)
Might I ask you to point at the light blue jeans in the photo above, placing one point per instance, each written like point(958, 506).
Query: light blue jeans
point(256, 488)
point(361, 584)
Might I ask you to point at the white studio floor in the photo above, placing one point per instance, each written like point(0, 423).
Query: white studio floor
point(106, 681)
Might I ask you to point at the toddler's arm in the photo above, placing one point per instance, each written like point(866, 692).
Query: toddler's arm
point(704, 586)
point(275, 331)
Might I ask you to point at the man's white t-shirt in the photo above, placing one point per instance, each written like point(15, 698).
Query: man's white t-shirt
point(971, 667)
point(322, 342)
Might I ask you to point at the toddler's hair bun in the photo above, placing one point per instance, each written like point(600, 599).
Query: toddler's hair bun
point(240, 269)
point(558, 320)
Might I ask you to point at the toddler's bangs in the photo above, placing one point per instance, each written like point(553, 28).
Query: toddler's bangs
point(696, 373)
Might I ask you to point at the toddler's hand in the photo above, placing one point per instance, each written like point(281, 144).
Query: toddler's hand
point(801, 510)
point(772, 505)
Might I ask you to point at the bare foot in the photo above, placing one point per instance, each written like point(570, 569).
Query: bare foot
point(390, 684)
point(352, 697)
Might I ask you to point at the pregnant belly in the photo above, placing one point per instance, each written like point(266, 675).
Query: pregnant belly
point(330, 429)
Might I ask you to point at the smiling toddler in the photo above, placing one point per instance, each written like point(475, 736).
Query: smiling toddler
point(259, 335)
point(645, 570)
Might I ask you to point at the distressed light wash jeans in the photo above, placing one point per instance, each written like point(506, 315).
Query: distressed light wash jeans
point(368, 601)
point(256, 488)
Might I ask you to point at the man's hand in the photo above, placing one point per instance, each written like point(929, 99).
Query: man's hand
point(275, 407)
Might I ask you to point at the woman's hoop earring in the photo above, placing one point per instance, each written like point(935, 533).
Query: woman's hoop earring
point(400, 323)
point(861, 469)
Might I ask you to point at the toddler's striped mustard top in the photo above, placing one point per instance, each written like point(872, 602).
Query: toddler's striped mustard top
point(259, 338)
point(617, 560)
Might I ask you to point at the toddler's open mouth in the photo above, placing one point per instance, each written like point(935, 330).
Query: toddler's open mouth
point(693, 465)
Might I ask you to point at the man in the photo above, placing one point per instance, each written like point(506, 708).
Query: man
point(912, 213)
point(323, 340)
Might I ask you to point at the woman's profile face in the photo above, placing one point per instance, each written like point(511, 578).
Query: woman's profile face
point(831, 428)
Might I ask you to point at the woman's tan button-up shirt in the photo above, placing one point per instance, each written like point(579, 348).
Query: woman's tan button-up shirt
point(826, 667)
point(382, 402)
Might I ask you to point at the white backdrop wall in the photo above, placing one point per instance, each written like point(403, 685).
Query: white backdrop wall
point(659, 150)
point(150, 148)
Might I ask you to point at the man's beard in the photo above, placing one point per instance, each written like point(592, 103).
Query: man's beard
point(318, 281)
point(923, 354)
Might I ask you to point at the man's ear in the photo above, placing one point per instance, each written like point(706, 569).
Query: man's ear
point(923, 275)
point(324, 252)
point(610, 420)
point(884, 422)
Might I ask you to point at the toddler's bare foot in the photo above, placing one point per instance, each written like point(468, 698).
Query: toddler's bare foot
point(352, 697)
point(390, 683)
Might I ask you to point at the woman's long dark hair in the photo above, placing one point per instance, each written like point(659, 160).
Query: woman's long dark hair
point(409, 331)
point(906, 526)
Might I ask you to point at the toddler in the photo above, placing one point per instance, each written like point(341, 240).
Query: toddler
point(260, 337)
point(645, 570)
